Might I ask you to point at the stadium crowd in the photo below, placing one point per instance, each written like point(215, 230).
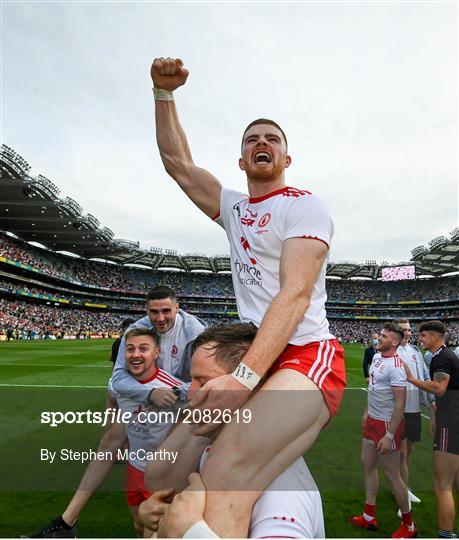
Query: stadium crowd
point(22, 316)
point(139, 281)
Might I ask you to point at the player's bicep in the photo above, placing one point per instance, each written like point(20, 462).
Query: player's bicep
point(201, 187)
point(301, 263)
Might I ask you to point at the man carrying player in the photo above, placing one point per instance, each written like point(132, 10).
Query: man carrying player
point(279, 241)
point(444, 372)
point(383, 429)
point(412, 356)
point(290, 507)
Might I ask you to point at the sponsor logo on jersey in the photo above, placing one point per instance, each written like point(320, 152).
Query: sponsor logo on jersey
point(247, 274)
point(294, 361)
point(264, 220)
point(237, 208)
point(249, 218)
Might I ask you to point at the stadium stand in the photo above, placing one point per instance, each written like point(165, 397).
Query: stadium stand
point(47, 293)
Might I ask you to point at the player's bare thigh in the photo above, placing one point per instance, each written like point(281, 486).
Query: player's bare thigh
point(446, 469)
point(287, 415)
point(369, 454)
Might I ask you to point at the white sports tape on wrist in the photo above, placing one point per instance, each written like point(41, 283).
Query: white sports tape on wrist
point(200, 530)
point(390, 435)
point(163, 95)
point(246, 376)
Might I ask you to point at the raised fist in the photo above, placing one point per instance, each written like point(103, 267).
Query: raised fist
point(168, 73)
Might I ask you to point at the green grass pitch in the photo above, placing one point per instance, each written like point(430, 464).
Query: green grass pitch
point(69, 375)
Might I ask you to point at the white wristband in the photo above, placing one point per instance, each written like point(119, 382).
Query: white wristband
point(390, 435)
point(200, 530)
point(163, 95)
point(246, 376)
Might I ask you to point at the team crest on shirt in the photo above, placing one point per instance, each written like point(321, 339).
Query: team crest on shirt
point(174, 351)
point(264, 220)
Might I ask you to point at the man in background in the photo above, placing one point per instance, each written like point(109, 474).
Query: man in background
point(444, 372)
point(368, 355)
point(412, 356)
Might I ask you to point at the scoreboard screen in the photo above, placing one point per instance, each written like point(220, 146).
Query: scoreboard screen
point(398, 273)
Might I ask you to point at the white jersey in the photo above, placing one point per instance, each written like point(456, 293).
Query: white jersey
point(256, 229)
point(147, 436)
point(290, 507)
point(413, 358)
point(385, 372)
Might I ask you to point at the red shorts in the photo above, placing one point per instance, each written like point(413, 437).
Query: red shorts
point(374, 430)
point(136, 492)
point(323, 363)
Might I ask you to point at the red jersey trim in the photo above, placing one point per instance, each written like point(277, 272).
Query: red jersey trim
point(287, 190)
point(168, 379)
point(217, 215)
point(315, 238)
point(152, 378)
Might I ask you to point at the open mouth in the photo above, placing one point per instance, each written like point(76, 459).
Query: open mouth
point(262, 157)
point(136, 362)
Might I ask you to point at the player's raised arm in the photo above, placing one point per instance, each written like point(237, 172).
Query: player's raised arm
point(202, 188)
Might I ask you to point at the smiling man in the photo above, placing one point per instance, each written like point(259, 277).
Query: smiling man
point(279, 244)
point(145, 433)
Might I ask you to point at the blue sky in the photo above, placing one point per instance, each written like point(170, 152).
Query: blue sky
point(366, 92)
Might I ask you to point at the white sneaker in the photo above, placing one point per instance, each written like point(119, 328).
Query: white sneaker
point(412, 497)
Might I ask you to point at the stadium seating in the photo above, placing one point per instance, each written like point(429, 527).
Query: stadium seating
point(51, 294)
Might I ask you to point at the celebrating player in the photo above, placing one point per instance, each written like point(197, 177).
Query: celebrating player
point(383, 429)
point(177, 330)
point(142, 351)
point(279, 242)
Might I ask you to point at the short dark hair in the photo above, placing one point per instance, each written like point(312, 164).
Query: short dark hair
point(432, 326)
point(232, 341)
point(400, 321)
point(395, 329)
point(160, 293)
point(127, 323)
point(143, 331)
point(264, 121)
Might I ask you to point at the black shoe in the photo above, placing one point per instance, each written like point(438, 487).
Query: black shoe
point(56, 529)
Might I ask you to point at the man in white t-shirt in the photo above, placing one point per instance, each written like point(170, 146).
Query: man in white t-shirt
point(147, 428)
point(279, 240)
point(414, 399)
point(383, 429)
point(291, 505)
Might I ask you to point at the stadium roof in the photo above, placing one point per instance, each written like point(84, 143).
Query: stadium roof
point(30, 208)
